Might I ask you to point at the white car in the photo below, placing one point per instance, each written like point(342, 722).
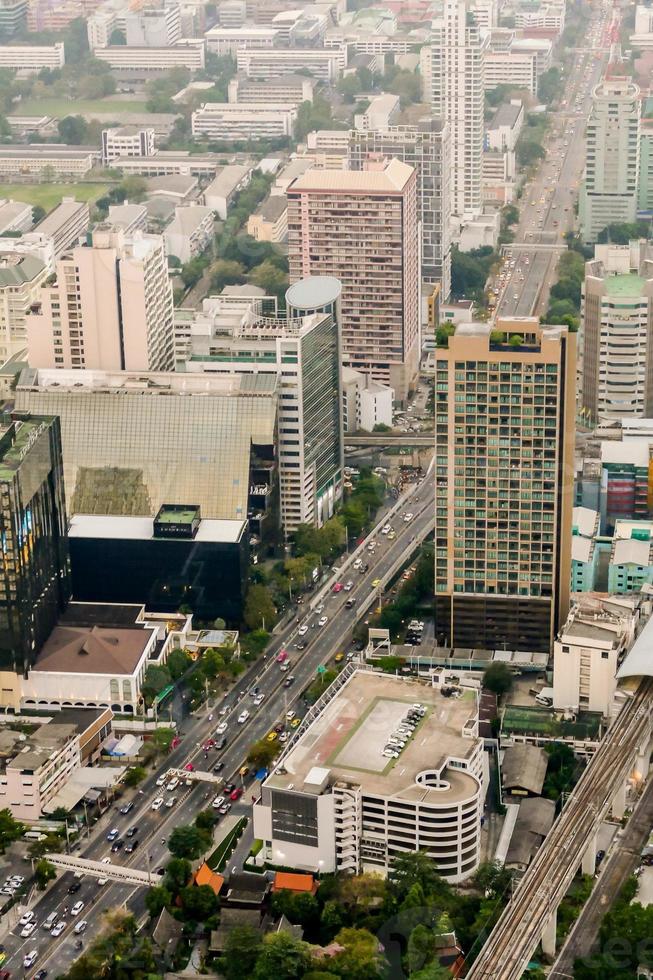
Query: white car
point(158, 803)
point(77, 908)
point(107, 860)
point(24, 919)
point(161, 780)
point(28, 930)
point(81, 926)
point(259, 699)
point(60, 926)
point(221, 729)
point(323, 620)
point(408, 518)
point(173, 784)
point(170, 802)
point(290, 715)
point(348, 586)
point(302, 630)
point(102, 881)
point(358, 563)
point(218, 801)
point(385, 529)
point(243, 716)
point(30, 959)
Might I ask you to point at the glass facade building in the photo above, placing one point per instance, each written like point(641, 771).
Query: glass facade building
point(35, 578)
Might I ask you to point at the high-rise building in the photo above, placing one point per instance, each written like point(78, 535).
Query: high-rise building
point(457, 50)
point(13, 18)
point(34, 580)
point(616, 349)
point(110, 308)
point(427, 148)
point(153, 28)
point(504, 483)
point(361, 227)
point(301, 350)
point(609, 191)
point(21, 278)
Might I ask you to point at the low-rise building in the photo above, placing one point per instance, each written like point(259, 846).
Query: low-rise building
point(96, 657)
point(588, 651)
point(631, 556)
point(230, 40)
point(584, 549)
point(65, 224)
point(264, 63)
point(270, 222)
point(498, 177)
point(336, 802)
point(365, 402)
point(382, 112)
point(285, 90)
point(45, 160)
point(222, 190)
point(146, 62)
point(189, 232)
point(328, 148)
point(127, 141)
point(523, 769)
point(534, 821)
point(15, 216)
point(28, 59)
point(502, 132)
point(170, 163)
point(233, 121)
point(516, 69)
point(129, 217)
point(36, 765)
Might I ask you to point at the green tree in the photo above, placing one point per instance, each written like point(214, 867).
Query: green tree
point(361, 958)
point(178, 874)
point(212, 663)
point(156, 899)
point(549, 85)
point(188, 842)
point(332, 919)
point(198, 902)
point(299, 908)
point(421, 948)
point(134, 776)
point(242, 948)
point(38, 213)
point(162, 738)
point(117, 37)
point(134, 188)
point(10, 829)
point(44, 872)
point(72, 130)
point(259, 608)
point(498, 678)
point(205, 820)
point(319, 686)
point(529, 152)
point(155, 680)
point(417, 868)
point(262, 753)
point(178, 663)
point(269, 277)
point(510, 214)
point(281, 957)
point(226, 272)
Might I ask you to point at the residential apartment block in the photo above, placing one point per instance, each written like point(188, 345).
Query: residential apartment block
point(262, 63)
point(21, 278)
point(65, 224)
point(145, 62)
point(127, 141)
point(361, 227)
point(504, 483)
point(45, 161)
point(189, 232)
point(427, 148)
point(284, 90)
point(616, 346)
point(27, 59)
point(109, 309)
point(152, 27)
point(230, 40)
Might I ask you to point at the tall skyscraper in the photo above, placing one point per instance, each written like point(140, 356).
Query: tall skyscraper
point(504, 483)
point(609, 191)
point(34, 577)
point(110, 308)
point(616, 346)
point(361, 227)
point(457, 49)
point(427, 148)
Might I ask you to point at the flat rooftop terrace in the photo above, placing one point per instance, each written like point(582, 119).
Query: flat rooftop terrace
point(349, 736)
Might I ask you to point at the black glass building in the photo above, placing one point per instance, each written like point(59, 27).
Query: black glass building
point(35, 575)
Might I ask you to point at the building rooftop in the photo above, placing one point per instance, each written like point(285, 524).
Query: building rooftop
point(177, 185)
point(18, 269)
point(313, 292)
point(391, 180)
point(93, 650)
point(628, 285)
point(65, 210)
point(188, 219)
point(585, 521)
point(142, 528)
point(506, 115)
point(17, 439)
point(227, 179)
point(346, 741)
point(524, 767)
point(631, 551)
point(273, 207)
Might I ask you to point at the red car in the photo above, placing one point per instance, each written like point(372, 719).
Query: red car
point(338, 587)
point(189, 767)
point(236, 795)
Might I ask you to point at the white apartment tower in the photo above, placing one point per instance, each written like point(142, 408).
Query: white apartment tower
point(457, 50)
point(609, 191)
point(110, 308)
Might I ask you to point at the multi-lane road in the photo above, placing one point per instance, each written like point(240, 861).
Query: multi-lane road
point(547, 204)
point(154, 827)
